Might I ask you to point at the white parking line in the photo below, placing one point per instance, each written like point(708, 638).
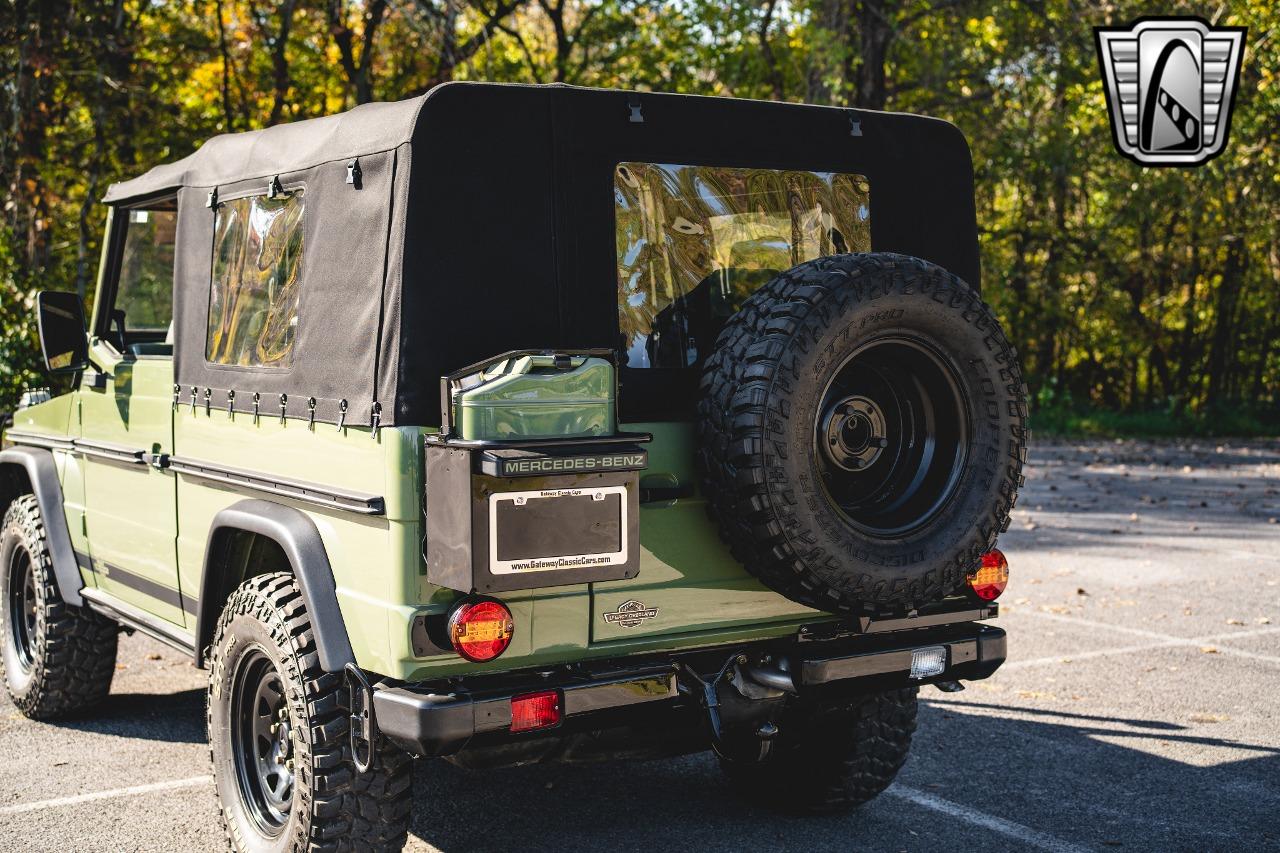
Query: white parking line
point(1007, 828)
point(105, 795)
point(1165, 641)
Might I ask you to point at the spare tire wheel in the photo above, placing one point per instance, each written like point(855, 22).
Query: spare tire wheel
point(862, 433)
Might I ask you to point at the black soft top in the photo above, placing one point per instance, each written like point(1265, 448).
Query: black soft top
point(482, 221)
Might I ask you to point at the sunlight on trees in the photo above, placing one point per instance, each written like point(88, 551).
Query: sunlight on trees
point(1127, 289)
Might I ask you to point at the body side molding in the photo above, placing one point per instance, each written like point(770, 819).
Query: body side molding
point(297, 536)
point(43, 475)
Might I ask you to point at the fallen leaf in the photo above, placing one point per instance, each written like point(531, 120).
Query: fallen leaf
point(1208, 718)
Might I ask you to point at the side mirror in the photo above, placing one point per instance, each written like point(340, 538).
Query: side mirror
point(62, 331)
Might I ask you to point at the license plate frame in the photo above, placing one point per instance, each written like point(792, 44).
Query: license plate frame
point(527, 564)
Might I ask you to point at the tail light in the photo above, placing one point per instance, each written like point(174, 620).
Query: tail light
point(991, 577)
point(535, 711)
point(481, 630)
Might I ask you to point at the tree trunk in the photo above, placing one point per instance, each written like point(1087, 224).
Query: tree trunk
point(280, 61)
point(875, 33)
point(1221, 348)
point(828, 75)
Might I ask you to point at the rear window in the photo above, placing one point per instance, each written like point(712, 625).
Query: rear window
point(693, 242)
point(257, 268)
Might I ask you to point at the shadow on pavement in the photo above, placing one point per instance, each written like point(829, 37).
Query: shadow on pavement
point(169, 717)
point(1086, 784)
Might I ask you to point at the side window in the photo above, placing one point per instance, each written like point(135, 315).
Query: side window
point(144, 290)
point(693, 242)
point(257, 268)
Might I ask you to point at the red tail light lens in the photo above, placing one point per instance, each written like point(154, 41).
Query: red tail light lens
point(991, 577)
point(535, 711)
point(481, 630)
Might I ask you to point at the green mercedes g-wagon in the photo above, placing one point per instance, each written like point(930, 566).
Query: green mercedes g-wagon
point(525, 423)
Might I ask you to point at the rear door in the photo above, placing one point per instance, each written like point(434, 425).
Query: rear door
point(688, 581)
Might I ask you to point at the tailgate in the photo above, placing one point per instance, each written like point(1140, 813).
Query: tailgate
point(688, 581)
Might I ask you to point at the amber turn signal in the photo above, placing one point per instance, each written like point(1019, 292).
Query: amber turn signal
point(991, 577)
point(481, 630)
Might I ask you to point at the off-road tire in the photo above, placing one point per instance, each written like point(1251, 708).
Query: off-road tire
point(756, 440)
point(68, 659)
point(831, 758)
point(722, 375)
point(334, 808)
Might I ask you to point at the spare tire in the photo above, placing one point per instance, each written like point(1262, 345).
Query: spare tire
point(862, 432)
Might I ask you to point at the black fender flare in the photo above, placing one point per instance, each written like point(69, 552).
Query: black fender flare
point(42, 473)
point(298, 537)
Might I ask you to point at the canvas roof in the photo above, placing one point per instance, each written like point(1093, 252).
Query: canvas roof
point(366, 129)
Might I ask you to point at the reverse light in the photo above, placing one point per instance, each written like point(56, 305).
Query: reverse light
point(481, 630)
point(535, 711)
point(928, 661)
point(991, 577)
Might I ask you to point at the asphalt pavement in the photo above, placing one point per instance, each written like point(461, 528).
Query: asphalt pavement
point(1140, 708)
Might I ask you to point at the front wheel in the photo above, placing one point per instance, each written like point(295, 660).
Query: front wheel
point(278, 736)
point(57, 659)
point(834, 757)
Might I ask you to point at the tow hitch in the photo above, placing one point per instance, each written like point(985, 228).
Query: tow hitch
point(742, 703)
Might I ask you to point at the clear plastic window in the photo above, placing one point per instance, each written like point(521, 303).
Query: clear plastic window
point(693, 242)
point(144, 291)
point(257, 265)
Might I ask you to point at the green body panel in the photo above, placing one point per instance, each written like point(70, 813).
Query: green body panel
point(529, 398)
point(375, 567)
point(131, 510)
point(154, 524)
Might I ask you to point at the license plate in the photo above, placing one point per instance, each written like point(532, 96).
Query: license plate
point(558, 529)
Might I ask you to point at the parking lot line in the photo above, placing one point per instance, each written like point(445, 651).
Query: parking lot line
point(1007, 828)
point(1168, 641)
point(105, 795)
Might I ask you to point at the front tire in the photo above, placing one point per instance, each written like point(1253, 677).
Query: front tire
point(57, 659)
point(832, 758)
point(278, 734)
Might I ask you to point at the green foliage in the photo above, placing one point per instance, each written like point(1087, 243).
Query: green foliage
point(1141, 299)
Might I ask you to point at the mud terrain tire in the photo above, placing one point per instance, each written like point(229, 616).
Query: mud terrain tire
point(832, 758)
point(57, 659)
point(264, 652)
point(862, 433)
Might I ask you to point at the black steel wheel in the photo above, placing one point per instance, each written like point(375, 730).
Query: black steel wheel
point(892, 435)
point(278, 736)
point(57, 659)
point(23, 608)
point(862, 432)
point(261, 736)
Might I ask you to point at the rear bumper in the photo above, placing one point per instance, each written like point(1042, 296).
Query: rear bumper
point(445, 719)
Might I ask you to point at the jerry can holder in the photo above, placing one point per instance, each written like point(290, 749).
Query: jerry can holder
point(515, 514)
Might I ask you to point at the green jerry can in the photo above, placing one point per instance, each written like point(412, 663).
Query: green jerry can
point(536, 396)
